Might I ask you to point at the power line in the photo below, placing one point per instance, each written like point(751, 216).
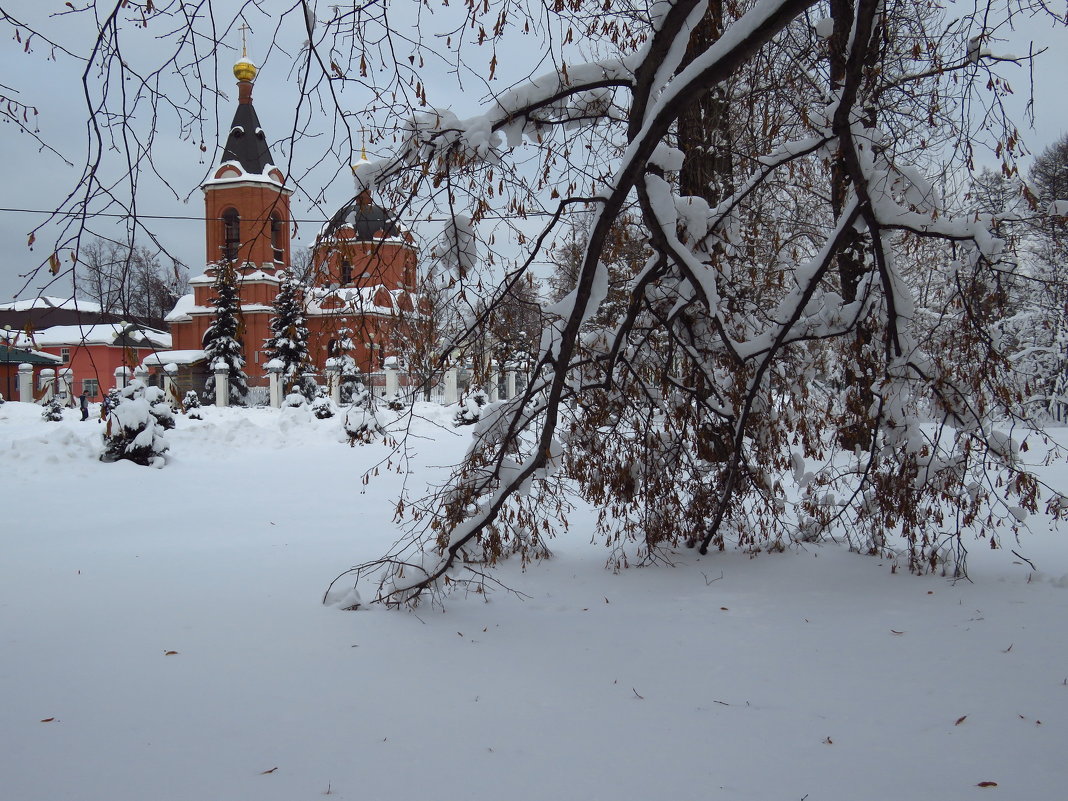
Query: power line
point(191, 218)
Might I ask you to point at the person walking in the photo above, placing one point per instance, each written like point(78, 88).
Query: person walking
point(83, 402)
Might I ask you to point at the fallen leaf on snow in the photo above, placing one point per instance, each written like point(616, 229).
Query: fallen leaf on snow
point(47, 720)
point(893, 631)
point(960, 720)
point(272, 770)
point(987, 784)
point(170, 653)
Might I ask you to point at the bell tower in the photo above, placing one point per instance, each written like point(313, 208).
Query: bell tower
point(246, 200)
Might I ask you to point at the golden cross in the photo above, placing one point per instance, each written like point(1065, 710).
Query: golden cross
point(243, 28)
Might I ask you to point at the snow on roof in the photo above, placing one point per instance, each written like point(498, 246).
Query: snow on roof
point(244, 176)
point(164, 357)
point(182, 307)
point(354, 300)
point(100, 334)
point(14, 355)
point(48, 302)
point(255, 275)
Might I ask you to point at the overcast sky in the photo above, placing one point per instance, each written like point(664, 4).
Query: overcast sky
point(38, 180)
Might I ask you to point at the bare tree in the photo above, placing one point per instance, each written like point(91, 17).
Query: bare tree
point(775, 372)
point(130, 282)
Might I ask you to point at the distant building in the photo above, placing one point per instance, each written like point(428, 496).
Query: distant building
point(364, 264)
point(76, 335)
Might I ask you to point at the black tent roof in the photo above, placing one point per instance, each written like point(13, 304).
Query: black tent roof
point(365, 219)
point(247, 143)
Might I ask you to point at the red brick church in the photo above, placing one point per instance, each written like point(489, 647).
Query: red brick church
point(363, 277)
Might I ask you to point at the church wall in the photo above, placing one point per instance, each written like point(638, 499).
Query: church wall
point(255, 203)
point(372, 263)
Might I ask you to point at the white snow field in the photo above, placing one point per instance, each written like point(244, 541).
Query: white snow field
point(162, 639)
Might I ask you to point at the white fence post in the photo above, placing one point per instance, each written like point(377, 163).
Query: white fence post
point(122, 377)
point(26, 383)
point(48, 384)
point(170, 386)
point(494, 383)
point(66, 385)
point(451, 394)
point(392, 383)
point(222, 383)
point(333, 379)
point(274, 378)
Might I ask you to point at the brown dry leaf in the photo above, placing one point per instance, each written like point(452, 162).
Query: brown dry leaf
point(272, 770)
point(893, 631)
point(170, 653)
point(960, 720)
point(47, 720)
point(987, 784)
point(1009, 648)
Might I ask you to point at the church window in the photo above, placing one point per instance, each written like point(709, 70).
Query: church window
point(231, 235)
point(346, 272)
point(277, 237)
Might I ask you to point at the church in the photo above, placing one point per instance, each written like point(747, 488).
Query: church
point(362, 282)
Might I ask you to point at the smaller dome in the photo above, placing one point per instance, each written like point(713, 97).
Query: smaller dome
point(365, 219)
point(245, 70)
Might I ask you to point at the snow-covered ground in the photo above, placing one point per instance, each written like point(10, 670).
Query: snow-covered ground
point(162, 637)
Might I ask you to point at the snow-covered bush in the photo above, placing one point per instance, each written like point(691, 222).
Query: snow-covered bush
point(322, 407)
point(295, 399)
point(191, 402)
point(1, 398)
point(361, 422)
point(160, 407)
point(308, 387)
point(132, 430)
point(53, 412)
point(471, 408)
point(397, 403)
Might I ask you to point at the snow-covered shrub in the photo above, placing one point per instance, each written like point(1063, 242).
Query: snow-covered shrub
point(53, 412)
point(471, 408)
point(308, 387)
point(396, 403)
point(132, 430)
point(160, 407)
point(191, 402)
point(361, 422)
point(294, 399)
point(322, 407)
point(1, 398)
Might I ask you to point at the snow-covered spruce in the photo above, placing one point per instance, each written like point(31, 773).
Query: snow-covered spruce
point(471, 408)
point(134, 430)
point(53, 412)
point(221, 341)
point(287, 346)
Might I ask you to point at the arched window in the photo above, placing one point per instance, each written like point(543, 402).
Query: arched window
point(346, 272)
point(231, 235)
point(278, 237)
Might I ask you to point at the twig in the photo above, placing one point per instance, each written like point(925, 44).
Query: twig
point(1014, 553)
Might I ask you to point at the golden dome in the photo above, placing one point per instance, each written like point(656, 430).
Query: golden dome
point(245, 70)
